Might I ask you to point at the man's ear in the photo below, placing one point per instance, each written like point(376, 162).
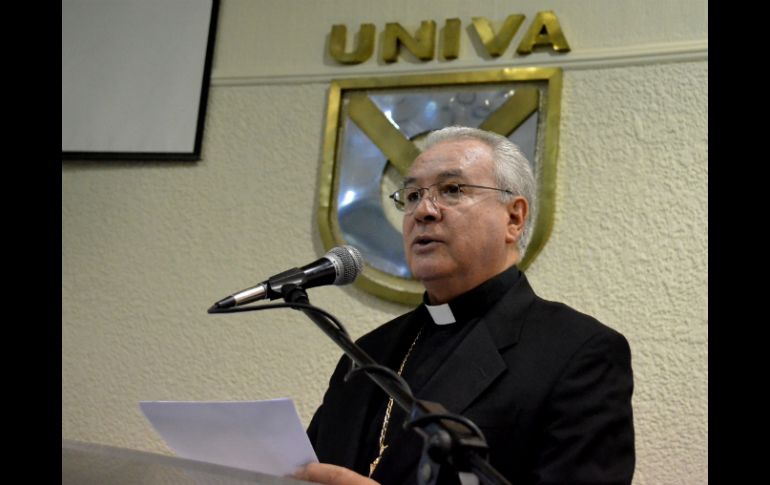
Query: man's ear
point(518, 209)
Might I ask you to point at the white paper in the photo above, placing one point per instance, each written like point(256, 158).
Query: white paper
point(262, 436)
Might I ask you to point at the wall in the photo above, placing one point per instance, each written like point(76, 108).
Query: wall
point(147, 247)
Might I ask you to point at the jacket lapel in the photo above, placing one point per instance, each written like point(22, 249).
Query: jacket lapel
point(477, 361)
point(472, 368)
point(473, 365)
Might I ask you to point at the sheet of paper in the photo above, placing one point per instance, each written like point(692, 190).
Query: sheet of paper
point(262, 436)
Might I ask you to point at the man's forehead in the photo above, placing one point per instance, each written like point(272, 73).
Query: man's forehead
point(450, 160)
point(442, 175)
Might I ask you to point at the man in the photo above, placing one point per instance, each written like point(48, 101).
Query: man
point(549, 387)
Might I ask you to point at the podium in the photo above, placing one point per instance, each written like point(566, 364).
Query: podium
point(93, 464)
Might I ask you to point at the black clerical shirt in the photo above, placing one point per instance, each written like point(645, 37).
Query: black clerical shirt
point(434, 344)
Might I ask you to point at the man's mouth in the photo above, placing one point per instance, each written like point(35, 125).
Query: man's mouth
point(424, 240)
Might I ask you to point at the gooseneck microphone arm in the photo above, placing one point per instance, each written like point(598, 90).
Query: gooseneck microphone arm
point(448, 438)
point(353, 351)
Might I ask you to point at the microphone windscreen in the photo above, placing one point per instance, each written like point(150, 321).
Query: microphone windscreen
point(348, 263)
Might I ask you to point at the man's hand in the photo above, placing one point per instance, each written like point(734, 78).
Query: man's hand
point(331, 475)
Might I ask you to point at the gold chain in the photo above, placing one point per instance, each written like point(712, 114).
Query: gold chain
point(386, 419)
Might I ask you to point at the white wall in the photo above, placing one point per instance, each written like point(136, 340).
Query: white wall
point(147, 247)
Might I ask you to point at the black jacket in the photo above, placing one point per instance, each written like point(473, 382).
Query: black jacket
point(550, 388)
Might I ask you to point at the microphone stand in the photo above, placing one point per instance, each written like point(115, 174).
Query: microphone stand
point(446, 441)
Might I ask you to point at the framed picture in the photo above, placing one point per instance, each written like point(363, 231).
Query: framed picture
point(374, 127)
point(135, 78)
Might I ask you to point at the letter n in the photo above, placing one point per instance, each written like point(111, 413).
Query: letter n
point(422, 45)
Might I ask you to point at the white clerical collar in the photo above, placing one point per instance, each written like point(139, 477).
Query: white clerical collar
point(442, 314)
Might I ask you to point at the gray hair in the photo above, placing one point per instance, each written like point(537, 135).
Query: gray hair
point(512, 169)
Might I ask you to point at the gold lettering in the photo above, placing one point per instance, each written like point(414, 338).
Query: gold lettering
point(545, 30)
point(496, 44)
point(422, 45)
point(363, 48)
point(450, 48)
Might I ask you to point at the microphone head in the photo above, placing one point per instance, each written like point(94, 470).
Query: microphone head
point(347, 262)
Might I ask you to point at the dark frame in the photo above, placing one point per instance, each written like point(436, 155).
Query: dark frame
point(195, 153)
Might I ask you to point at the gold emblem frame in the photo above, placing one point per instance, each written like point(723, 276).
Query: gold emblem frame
point(535, 87)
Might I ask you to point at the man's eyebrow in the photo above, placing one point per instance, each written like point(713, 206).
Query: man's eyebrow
point(447, 174)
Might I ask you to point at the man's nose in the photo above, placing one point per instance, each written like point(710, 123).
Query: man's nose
point(427, 209)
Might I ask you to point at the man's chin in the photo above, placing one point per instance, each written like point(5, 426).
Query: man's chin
point(430, 273)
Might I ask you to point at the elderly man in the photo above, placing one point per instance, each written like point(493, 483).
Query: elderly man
point(549, 387)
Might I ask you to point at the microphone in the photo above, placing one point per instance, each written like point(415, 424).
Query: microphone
point(340, 266)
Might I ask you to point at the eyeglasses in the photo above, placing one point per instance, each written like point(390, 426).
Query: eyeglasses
point(442, 193)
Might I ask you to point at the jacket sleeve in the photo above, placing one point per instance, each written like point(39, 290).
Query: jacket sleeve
point(322, 430)
point(313, 428)
point(588, 433)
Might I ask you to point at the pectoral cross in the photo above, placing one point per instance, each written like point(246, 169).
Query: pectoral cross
point(377, 460)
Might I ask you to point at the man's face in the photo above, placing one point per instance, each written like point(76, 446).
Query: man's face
point(452, 249)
